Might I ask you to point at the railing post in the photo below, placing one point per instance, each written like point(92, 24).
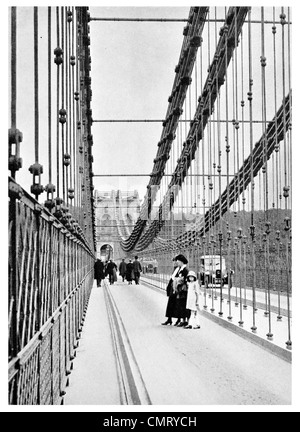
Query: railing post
point(288, 266)
point(13, 348)
point(221, 275)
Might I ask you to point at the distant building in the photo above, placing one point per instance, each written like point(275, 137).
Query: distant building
point(116, 215)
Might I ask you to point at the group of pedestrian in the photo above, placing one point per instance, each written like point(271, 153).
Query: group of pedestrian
point(183, 289)
point(103, 270)
point(130, 271)
point(183, 292)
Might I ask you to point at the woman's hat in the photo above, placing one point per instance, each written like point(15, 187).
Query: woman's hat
point(192, 274)
point(181, 258)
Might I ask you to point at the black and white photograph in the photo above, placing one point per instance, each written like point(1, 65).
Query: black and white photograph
point(150, 211)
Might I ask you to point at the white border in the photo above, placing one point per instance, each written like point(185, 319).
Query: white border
point(296, 211)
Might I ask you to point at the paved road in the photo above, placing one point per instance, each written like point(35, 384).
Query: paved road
point(265, 324)
point(211, 366)
point(162, 281)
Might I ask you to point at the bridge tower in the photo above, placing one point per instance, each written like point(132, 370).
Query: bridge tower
point(116, 215)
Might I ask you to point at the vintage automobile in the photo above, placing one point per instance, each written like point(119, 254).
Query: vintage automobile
point(211, 270)
point(149, 266)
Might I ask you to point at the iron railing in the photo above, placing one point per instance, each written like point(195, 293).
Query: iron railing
point(51, 244)
point(51, 276)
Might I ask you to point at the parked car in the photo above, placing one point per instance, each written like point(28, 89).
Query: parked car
point(211, 270)
point(149, 266)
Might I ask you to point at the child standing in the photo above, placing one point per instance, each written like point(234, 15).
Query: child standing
point(193, 301)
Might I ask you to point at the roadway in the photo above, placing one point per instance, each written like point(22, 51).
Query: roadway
point(247, 294)
point(264, 322)
point(211, 366)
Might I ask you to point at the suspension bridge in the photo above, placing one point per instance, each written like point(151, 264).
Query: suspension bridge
point(220, 190)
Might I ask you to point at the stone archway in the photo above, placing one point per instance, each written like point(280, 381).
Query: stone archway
point(106, 252)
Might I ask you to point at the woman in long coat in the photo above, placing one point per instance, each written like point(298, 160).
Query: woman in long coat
point(171, 306)
point(177, 293)
point(122, 269)
point(99, 272)
point(129, 273)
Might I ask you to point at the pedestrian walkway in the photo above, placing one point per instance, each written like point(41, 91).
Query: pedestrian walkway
point(162, 280)
point(242, 318)
point(94, 379)
point(211, 366)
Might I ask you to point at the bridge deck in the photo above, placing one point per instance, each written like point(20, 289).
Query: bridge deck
point(211, 366)
point(238, 312)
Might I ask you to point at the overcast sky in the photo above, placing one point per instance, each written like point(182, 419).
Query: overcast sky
point(132, 77)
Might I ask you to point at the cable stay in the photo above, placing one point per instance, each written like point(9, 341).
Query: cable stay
point(215, 80)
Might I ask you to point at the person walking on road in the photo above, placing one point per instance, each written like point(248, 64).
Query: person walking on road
point(129, 273)
point(137, 269)
point(122, 269)
point(111, 271)
point(99, 272)
point(193, 299)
